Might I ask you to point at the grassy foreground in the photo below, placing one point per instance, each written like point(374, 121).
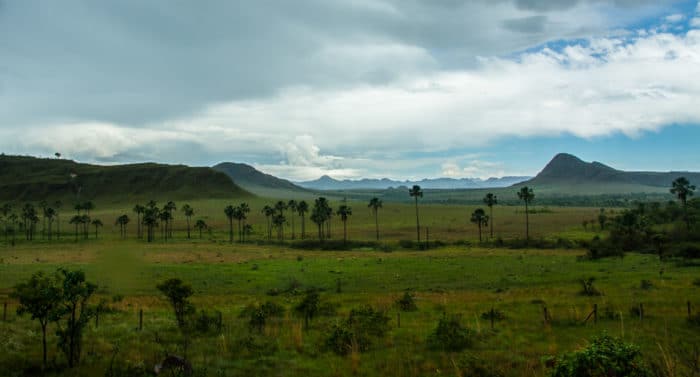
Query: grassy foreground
point(461, 280)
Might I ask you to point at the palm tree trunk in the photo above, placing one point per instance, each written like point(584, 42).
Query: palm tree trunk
point(303, 227)
point(491, 224)
point(188, 227)
point(376, 222)
point(479, 231)
point(230, 230)
point(345, 231)
point(527, 223)
point(417, 221)
point(43, 340)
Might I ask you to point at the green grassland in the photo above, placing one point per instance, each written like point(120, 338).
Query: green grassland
point(461, 278)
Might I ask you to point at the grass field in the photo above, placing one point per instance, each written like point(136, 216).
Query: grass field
point(462, 279)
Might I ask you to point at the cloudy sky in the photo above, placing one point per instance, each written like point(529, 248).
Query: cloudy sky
point(354, 88)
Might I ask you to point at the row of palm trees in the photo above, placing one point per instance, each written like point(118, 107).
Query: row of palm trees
point(150, 216)
point(28, 219)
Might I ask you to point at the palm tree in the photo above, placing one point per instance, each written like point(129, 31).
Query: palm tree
point(189, 212)
point(239, 216)
point(86, 225)
point(416, 192)
point(302, 208)
point(164, 217)
point(375, 204)
point(169, 207)
point(344, 212)
point(292, 205)
point(12, 218)
point(682, 188)
point(278, 221)
point(245, 210)
point(527, 196)
point(57, 206)
point(88, 206)
point(230, 211)
point(122, 221)
point(96, 223)
point(5, 210)
point(43, 205)
point(76, 220)
point(49, 215)
point(139, 209)
point(150, 219)
point(268, 212)
point(200, 225)
point(490, 200)
point(479, 218)
point(280, 206)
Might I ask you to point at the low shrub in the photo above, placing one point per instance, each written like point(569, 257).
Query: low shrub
point(494, 314)
point(604, 357)
point(587, 288)
point(450, 335)
point(407, 303)
point(358, 331)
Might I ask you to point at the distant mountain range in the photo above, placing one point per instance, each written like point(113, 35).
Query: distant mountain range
point(566, 169)
point(328, 183)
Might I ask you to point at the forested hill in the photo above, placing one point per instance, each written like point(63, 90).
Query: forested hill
point(30, 178)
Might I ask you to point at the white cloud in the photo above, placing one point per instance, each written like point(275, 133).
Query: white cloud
point(695, 22)
point(675, 18)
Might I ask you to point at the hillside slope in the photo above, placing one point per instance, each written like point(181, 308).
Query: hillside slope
point(29, 178)
point(328, 183)
point(566, 170)
point(260, 183)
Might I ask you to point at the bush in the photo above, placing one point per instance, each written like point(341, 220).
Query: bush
point(450, 335)
point(258, 315)
point(407, 303)
point(358, 331)
point(598, 249)
point(604, 357)
point(646, 285)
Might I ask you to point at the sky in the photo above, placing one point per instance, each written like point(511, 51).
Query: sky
point(404, 89)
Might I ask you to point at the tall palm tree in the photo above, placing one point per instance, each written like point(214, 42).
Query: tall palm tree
point(57, 206)
point(268, 212)
point(527, 195)
point(280, 207)
point(292, 206)
point(97, 224)
point(479, 218)
point(88, 206)
point(239, 216)
point(416, 193)
point(682, 188)
point(344, 212)
point(490, 200)
point(150, 219)
point(244, 209)
point(12, 218)
point(43, 205)
point(278, 221)
point(50, 215)
point(169, 207)
point(200, 225)
point(164, 217)
point(375, 204)
point(139, 210)
point(189, 212)
point(122, 221)
point(230, 211)
point(302, 209)
point(76, 220)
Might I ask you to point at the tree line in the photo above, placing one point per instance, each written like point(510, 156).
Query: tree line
point(152, 218)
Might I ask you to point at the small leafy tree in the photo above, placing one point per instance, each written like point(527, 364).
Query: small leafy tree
point(40, 297)
point(309, 307)
point(73, 313)
point(178, 295)
point(480, 218)
point(407, 303)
